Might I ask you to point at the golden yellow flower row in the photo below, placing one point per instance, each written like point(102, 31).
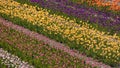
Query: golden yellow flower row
point(84, 35)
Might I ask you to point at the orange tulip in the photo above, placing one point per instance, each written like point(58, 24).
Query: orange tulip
point(113, 4)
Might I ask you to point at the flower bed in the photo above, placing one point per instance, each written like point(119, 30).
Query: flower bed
point(2, 64)
point(112, 4)
point(84, 38)
point(107, 20)
point(36, 53)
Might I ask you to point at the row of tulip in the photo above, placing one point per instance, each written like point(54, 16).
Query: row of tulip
point(72, 5)
point(12, 61)
point(81, 37)
point(113, 4)
point(2, 64)
point(110, 21)
point(36, 53)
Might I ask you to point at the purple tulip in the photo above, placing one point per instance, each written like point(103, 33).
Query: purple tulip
point(104, 19)
point(35, 1)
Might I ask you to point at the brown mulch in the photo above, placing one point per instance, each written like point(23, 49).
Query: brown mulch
point(53, 44)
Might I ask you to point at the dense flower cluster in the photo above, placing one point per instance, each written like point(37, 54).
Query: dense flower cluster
point(107, 20)
point(113, 4)
point(13, 61)
point(99, 43)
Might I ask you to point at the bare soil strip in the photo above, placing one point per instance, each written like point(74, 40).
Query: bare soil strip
point(53, 44)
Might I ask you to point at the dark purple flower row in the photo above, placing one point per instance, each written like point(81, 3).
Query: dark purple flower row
point(104, 19)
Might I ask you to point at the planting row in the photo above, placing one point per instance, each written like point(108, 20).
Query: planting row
point(2, 65)
point(112, 4)
point(83, 38)
point(110, 21)
point(36, 53)
point(12, 61)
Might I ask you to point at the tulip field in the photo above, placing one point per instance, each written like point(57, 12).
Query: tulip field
point(59, 33)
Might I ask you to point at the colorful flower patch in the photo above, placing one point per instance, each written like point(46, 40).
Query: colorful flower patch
point(106, 20)
point(113, 4)
point(40, 54)
point(85, 38)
